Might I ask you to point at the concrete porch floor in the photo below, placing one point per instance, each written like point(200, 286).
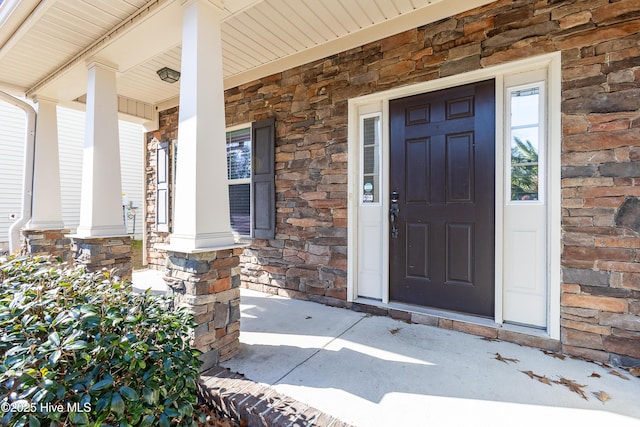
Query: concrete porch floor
point(376, 371)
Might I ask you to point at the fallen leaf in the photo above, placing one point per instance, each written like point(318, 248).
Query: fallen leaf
point(213, 419)
point(604, 365)
point(595, 375)
point(602, 396)
point(573, 386)
point(505, 359)
point(489, 339)
point(394, 331)
point(543, 379)
point(554, 354)
point(618, 374)
point(635, 372)
point(529, 373)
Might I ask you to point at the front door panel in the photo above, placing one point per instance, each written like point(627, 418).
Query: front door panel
point(442, 164)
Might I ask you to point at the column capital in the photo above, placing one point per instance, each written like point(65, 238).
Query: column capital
point(39, 99)
point(218, 4)
point(99, 63)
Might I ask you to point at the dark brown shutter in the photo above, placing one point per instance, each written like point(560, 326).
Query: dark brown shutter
point(263, 137)
point(162, 187)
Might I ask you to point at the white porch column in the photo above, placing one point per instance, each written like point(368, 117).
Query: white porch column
point(46, 205)
point(201, 218)
point(101, 200)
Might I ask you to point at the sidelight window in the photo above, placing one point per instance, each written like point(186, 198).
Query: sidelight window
point(370, 173)
point(526, 142)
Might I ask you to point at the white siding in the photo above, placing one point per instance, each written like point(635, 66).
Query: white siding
point(71, 141)
point(12, 136)
point(132, 161)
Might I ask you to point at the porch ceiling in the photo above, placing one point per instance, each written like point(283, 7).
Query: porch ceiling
point(46, 44)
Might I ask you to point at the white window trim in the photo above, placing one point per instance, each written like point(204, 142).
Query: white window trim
point(379, 102)
point(240, 126)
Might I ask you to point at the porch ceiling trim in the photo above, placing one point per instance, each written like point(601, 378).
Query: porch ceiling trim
point(436, 11)
point(154, 40)
point(142, 14)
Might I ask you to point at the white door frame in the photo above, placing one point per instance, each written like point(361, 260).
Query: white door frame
point(550, 62)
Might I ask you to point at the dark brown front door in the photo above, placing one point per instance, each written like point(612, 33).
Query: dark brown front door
point(443, 168)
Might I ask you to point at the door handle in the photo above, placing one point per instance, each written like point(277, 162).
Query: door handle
point(394, 210)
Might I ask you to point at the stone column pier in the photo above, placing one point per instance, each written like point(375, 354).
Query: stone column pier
point(202, 256)
point(208, 284)
point(55, 243)
point(96, 253)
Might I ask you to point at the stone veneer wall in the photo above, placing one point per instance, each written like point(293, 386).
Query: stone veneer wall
point(599, 41)
point(54, 243)
point(98, 253)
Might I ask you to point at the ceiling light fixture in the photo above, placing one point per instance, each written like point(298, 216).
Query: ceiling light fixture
point(168, 75)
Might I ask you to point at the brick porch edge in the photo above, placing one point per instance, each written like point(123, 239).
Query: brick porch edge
point(257, 404)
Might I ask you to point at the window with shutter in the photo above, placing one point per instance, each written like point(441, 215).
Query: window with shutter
point(250, 177)
point(162, 187)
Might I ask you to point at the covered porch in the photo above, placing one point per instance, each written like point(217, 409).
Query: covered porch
point(138, 60)
point(377, 371)
point(303, 363)
point(303, 82)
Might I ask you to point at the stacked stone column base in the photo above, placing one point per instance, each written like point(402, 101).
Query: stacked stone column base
point(96, 253)
point(208, 284)
point(53, 243)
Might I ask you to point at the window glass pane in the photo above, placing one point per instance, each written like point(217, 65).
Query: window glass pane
point(524, 107)
point(370, 126)
point(371, 159)
point(524, 182)
point(240, 208)
point(239, 168)
point(239, 154)
point(528, 137)
point(525, 144)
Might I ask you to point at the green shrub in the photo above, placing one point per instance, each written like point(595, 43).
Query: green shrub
point(82, 349)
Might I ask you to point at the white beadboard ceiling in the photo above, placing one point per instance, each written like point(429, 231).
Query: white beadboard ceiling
point(45, 45)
